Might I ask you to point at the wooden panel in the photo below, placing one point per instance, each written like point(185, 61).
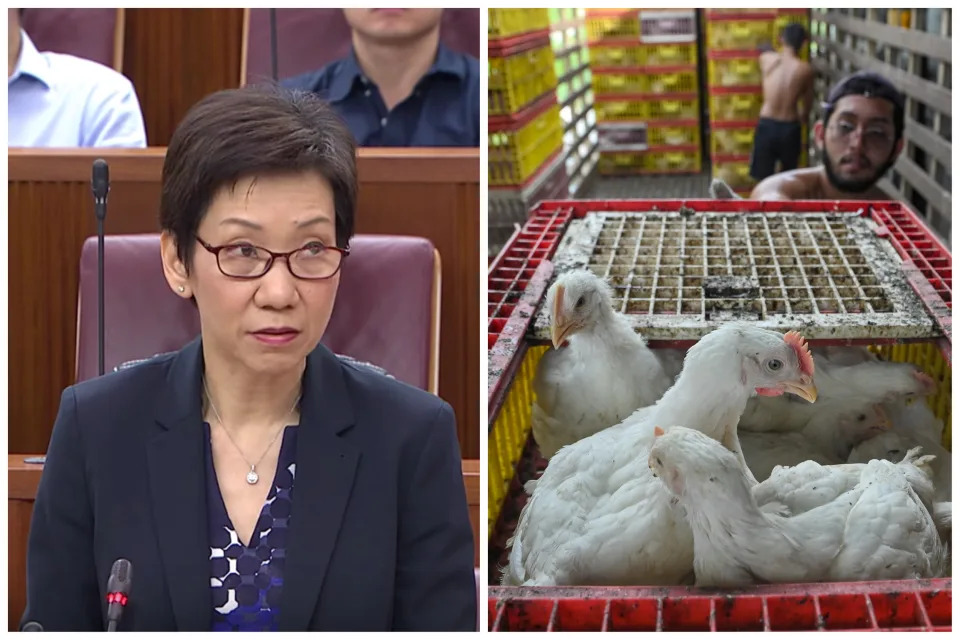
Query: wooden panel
point(431, 193)
point(18, 526)
point(23, 480)
point(927, 44)
point(200, 50)
point(937, 97)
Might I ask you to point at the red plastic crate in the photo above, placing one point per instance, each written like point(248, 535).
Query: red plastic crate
point(516, 280)
point(927, 261)
point(501, 47)
point(522, 272)
point(902, 605)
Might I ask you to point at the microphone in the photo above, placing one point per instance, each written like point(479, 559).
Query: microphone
point(118, 591)
point(273, 45)
point(31, 626)
point(101, 186)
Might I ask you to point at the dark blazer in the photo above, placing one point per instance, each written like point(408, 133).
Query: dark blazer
point(380, 535)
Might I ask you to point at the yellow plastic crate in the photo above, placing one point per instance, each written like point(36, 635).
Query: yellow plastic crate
point(735, 173)
point(660, 161)
point(673, 109)
point(514, 156)
point(732, 141)
point(735, 106)
point(653, 109)
point(672, 135)
point(643, 55)
point(516, 81)
point(672, 82)
point(738, 141)
point(625, 25)
point(511, 427)
point(670, 161)
point(724, 35)
point(503, 23)
point(734, 72)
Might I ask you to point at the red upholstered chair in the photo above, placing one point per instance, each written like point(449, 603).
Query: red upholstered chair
point(386, 313)
point(307, 39)
point(93, 34)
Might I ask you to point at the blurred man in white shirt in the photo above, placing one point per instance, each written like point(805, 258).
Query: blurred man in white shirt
point(58, 100)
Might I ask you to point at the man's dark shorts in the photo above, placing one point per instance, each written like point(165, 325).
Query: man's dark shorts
point(775, 140)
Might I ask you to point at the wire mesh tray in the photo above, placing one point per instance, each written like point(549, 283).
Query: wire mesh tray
point(679, 274)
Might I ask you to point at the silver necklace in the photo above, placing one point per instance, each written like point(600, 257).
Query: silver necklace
point(252, 476)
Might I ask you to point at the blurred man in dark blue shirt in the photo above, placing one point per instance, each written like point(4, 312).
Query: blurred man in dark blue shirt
point(400, 87)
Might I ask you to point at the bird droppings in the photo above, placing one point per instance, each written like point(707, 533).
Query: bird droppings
point(730, 287)
point(677, 275)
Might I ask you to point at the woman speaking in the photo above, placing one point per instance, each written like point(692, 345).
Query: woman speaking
point(253, 480)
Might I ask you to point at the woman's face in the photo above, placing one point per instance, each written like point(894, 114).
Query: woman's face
point(269, 324)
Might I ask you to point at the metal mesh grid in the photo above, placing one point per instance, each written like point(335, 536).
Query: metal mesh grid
point(679, 274)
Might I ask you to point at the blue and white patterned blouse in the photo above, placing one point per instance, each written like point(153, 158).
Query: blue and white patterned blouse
point(246, 581)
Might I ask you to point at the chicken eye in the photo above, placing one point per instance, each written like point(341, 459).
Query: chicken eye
point(774, 365)
point(658, 462)
point(862, 417)
point(579, 302)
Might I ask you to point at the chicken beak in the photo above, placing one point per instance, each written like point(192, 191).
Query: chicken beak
point(559, 326)
point(884, 420)
point(805, 388)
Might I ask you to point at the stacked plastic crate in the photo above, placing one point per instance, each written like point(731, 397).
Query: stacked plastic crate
point(646, 94)
point(525, 132)
point(734, 84)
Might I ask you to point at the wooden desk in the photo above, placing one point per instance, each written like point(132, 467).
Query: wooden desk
point(23, 478)
point(434, 193)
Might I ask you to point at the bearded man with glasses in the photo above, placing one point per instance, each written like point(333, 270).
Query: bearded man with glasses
point(860, 137)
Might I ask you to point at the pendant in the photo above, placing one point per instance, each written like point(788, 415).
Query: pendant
point(252, 476)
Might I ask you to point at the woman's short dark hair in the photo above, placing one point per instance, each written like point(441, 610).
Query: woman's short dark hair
point(871, 85)
point(248, 132)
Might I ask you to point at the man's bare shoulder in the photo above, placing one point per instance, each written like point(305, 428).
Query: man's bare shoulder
point(799, 184)
point(768, 58)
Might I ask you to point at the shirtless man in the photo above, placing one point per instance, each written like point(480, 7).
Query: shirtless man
point(859, 136)
point(787, 98)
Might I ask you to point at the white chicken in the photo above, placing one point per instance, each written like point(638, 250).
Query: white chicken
point(827, 438)
point(604, 375)
point(892, 445)
point(598, 516)
point(790, 491)
point(863, 384)
point(915, 417)
point(877, 530)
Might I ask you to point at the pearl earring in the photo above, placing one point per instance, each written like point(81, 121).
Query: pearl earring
point(181, 289)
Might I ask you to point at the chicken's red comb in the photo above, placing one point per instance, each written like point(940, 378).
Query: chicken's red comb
point(657, 432)
point(800, 347)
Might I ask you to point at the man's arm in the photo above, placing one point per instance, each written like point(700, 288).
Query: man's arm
point(767, 61)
